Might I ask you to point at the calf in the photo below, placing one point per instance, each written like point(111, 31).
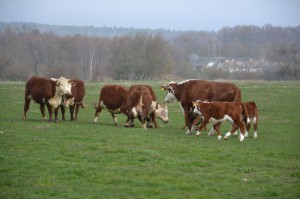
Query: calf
point(217, 112)
point(73, 101)
point(140, 102)
point(250, 116)
point(47, 92)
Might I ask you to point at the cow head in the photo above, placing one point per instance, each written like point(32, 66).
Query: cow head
point(171, 89)
point(63, 85)
point(161, 112)
point(197, 107)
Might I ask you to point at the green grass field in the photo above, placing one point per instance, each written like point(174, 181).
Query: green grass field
point(85, 160)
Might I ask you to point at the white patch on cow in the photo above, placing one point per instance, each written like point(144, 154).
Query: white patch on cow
point(252, 120)
point(96, 119)
point(55, 101)
point(241, 137)
point(246, 134)
point(227, 135)
point(219, 137)
point(152, 107)
point(144, 126)
point(198, 133)
point(185, 81)
point(196, 110)
point(134, 112)
point(188, 132)
point(170, 97)
point(235, 133)
point(255, 135)
point(225, 118)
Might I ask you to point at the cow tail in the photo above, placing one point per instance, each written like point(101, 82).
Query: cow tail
point(245, 114)
point(82, 105)
point(237, 95)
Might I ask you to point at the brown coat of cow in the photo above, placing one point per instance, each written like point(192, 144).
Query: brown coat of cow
point(217, 112)
point(192, 90)
point(142, 98)
point(75, 101)
point(111, 98)
point(44, 91)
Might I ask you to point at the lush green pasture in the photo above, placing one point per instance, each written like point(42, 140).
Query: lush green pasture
point(85, 160)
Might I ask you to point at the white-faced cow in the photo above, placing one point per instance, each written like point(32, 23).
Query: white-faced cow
point(47, 92)
point(113, 96)
point(250, 116)
point(142, 100)
point(217, 112)
point(73, 101)
point(192, 90)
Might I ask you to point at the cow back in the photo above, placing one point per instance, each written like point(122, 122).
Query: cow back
point(113, 96)
point(40, 89)
point(209, 91)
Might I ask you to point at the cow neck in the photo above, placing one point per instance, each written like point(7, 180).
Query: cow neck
point(178, 92)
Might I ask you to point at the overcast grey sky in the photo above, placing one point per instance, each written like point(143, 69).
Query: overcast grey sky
point(169, 14)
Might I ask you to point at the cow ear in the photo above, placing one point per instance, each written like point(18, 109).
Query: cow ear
point(194, 103)
point(72, 83)
point(163, 88)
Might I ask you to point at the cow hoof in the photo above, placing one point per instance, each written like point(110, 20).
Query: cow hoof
point(220, 137)
point(126, 125)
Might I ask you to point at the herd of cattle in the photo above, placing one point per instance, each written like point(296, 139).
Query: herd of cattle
point(201, 101)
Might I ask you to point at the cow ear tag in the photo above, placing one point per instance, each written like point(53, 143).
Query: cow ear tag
point(162, 88)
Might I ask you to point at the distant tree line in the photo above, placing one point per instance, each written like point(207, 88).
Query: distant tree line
point(26, 51)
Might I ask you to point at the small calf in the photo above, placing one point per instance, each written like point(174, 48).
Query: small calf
point(217, 112)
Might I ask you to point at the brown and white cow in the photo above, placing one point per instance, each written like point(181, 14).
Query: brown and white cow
point(217, 112)
point(191, 90)
point(45, 91)
point(250, 116)
point(140, 102)
point(113, 96)
point(73, 101)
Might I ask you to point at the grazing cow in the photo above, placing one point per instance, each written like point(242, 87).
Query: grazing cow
point(250, 116)
point(113, 96)
point(191, 90)
point(217, 112)
point(47, 92)
point(140, 102)
point(73, 101)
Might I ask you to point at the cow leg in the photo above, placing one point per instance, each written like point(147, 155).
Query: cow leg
point(114, 118)
point(203, 124)
point(97, 112)
point(187, 121)
point(63, 110)
point(233, 130)
point(255, 129)
point(56, 114)
point(242, 128)
point(42, 109)
point(72, 112)
point(217, 128)
point(77, 106)
point(26, 107)
point(152, 115)
point(50, 111)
